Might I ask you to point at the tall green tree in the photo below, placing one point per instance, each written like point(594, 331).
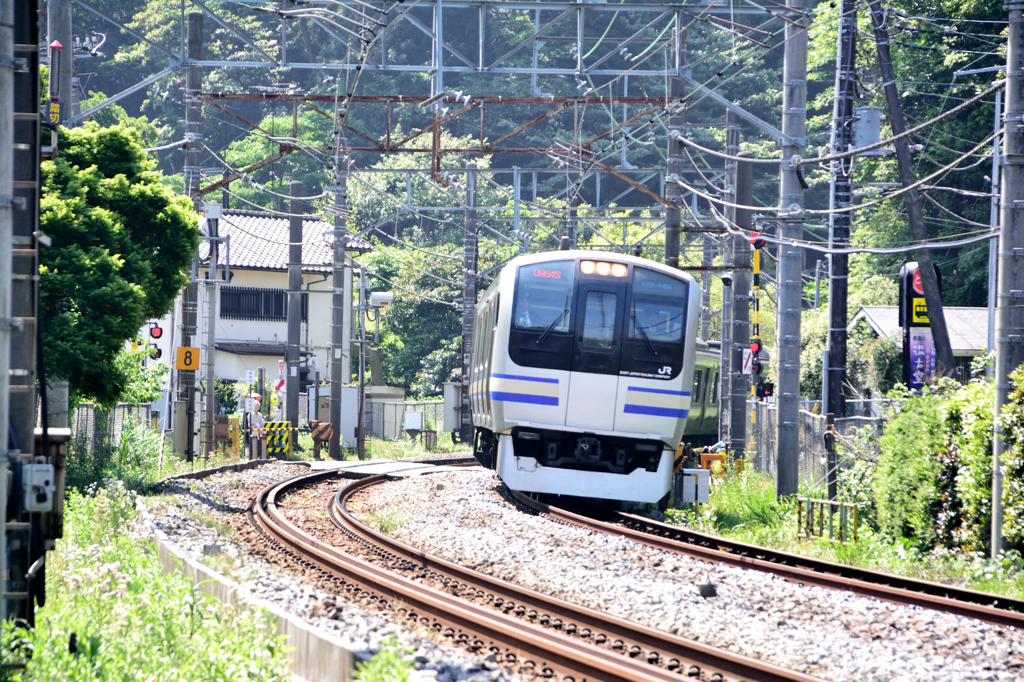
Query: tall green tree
point(121, 246)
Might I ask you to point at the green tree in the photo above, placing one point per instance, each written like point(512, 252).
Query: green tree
point(121, 245)
point(145, 379)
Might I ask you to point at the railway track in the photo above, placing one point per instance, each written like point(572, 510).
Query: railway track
point(549, 637)
point(795, 568)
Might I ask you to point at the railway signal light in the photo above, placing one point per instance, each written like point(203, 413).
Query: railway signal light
point(756, 367)
point(157, 354)
point(756, 240)
point(156, 331)
point(755, 346)
point(765, 390)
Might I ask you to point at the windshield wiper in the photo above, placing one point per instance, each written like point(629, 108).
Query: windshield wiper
point(554, 324)
point(643, 333)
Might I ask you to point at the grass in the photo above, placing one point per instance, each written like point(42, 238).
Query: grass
point(107, 592)
point(743, 507)
point(390, 664)
point(209, 520)
point(387, 517)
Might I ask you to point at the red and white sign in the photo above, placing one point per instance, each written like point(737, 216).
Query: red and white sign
point(918, 286)
point(279, 385)
point(280, 368)
point(748, 361)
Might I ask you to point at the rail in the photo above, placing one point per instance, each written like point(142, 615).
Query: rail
point(799, 569)
point(547, 650)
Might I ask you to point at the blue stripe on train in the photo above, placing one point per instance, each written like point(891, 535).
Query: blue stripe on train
point(656, 411)
point(663, 391)
point(524, 398)
point(519, 377)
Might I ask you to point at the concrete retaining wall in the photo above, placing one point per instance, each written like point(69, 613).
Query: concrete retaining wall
point(316, 655)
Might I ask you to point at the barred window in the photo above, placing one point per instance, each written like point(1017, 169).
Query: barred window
point(254, 303)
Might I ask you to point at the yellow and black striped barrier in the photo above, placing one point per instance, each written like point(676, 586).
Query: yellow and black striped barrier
point(279, 438)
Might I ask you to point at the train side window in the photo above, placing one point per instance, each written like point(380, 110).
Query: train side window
point(714, 389)
point(698, 374)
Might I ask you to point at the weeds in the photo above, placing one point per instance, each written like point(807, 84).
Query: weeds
point(209, 520)
point(107, 590)
point(387, 665)
point(387, 518)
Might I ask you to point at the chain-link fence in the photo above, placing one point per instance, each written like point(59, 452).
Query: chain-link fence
point(98, 429)
point(386, 419)
point(857, 435)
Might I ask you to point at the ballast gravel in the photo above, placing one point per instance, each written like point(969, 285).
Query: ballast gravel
point(198, 513)
point(835, 635)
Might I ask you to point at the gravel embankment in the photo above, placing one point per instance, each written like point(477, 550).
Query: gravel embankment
point(829, 634)
point(212, 510)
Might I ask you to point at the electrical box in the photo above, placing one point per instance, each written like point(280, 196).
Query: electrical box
point(413, 421)
point(38, 483)
point(867, 129)
point(452, 403)
point(692, 485)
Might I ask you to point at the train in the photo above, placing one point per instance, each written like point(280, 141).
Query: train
point(586, 375)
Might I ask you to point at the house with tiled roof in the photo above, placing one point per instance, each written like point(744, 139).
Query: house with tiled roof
point(252, 307)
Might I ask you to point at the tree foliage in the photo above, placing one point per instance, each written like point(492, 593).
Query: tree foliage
point(121, 245)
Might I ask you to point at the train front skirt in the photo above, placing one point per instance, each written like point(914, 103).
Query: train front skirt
point(525, 474)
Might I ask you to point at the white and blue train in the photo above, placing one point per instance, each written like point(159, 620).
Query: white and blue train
point(582, 373)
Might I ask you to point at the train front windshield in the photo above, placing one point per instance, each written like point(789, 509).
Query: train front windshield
point(597, 317)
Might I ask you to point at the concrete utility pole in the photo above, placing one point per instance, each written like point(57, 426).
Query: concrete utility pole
point(468, 300)
point(993, 221)
point(193, 132)
point(1010, 309)
point(841, 197)
point(791, 258)
point(292, 353)
point(929, 280)
point(212, 213)
point(732, 148)
point(340, 343)
point(741, 309)
point(674, 161)
point(361, 424)
point(58, 27)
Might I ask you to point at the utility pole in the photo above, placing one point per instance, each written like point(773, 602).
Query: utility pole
point(732, 148)
point(468, 300)
point(993, 221)
point(340, 343)
point(7, 209)
point(741, 309)
point(193, 133)
point(674, 161)
point(291, 358)
point(1010, 310)
point(212, 213)
point(58, 27)
point(817, 283)
point(791, 258)
point(925, 266)
point(841, 198)
point(361, 424)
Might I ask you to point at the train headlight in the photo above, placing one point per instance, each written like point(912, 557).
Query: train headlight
point(589, 267)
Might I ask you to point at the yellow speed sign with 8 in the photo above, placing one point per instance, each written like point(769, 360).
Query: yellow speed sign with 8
point(187, 358)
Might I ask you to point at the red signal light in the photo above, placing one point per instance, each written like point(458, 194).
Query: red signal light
point(755, 346)
point(756, 367)
point(757, 240)
point(157, 354)
point(156, 331)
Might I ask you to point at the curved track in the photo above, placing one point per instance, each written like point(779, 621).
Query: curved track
point(565, 641)
point(895, 589)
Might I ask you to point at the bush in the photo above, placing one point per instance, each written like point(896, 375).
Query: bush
point(108, 593)
point(934, 475)
point(1012, 420)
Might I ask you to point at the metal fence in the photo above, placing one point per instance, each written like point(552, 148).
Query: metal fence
point(386, 419)
point(99, 429)
point(857, 435)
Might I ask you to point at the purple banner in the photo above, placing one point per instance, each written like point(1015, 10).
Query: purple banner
point(922, 357)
